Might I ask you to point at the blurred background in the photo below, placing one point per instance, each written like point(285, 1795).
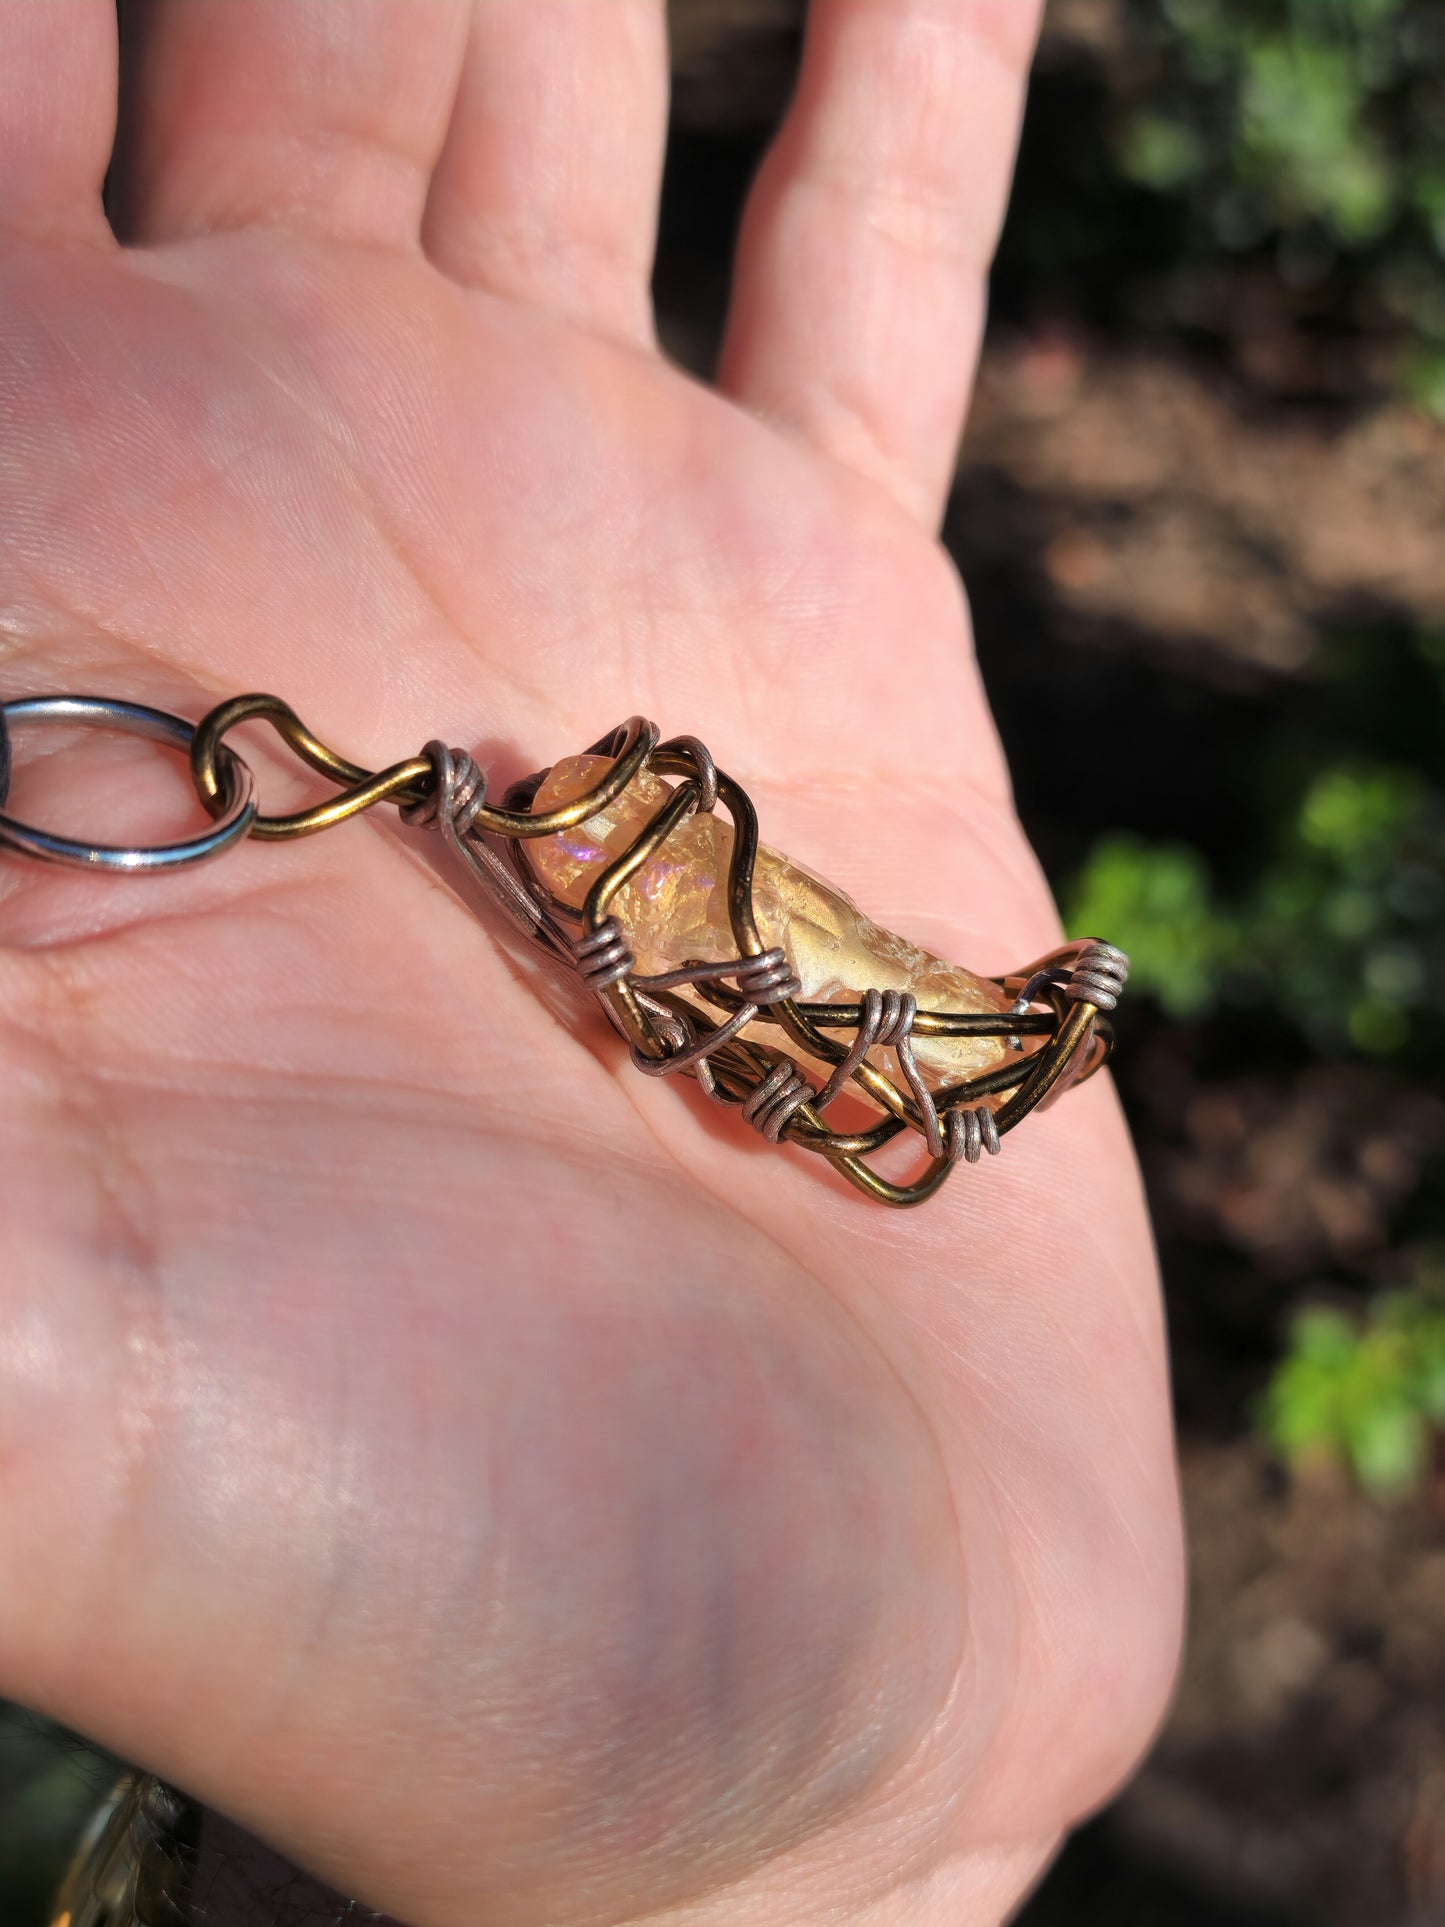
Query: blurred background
point(1201, 516)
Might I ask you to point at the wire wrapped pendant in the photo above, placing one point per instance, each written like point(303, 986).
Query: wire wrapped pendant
point(638, 866)
point(721, 959)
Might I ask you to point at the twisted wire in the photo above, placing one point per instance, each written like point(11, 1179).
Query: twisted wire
point(689, 1051)
point(1100, 973)
point(451, 806)
point(782, 1093)
point(760, 980)
point(972, 1132)
point(886, 1017)
point(686, 1052)
point(766, 979)
point(602, 956)
point(457, 796)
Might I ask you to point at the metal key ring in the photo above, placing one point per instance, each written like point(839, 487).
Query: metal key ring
point(137, 720)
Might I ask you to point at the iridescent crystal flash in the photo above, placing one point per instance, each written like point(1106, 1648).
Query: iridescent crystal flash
point(675, 911)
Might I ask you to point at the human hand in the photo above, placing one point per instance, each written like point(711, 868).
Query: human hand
point(477, 1468)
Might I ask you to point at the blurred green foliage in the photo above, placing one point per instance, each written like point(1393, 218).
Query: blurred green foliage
point(1339, 930)
point(1262, 178)
point(50, 1784)
point(1312, 129)
point(1324, 933)
point(1158, 901)
point(1365, 1394)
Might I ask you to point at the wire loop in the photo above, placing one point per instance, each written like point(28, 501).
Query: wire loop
point(234, 804)
point(403, 783)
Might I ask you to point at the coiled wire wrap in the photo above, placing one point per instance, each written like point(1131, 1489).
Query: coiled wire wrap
point(458, 795)
point(886, 1017)
point(1100, 974)
point(602, 956)
point(772, 1106)
point(702, 1018)
point(974, 1132)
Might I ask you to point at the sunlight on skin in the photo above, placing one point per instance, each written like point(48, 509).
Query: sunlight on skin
point(510, 1490)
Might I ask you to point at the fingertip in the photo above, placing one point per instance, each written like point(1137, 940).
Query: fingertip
point(859, 295)
point(57, 114)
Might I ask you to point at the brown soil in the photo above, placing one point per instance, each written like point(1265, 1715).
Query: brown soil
point(1169, 508)
point(1303, 1768)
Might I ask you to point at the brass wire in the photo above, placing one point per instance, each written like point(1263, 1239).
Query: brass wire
point(732, 1069)
point(402, 784)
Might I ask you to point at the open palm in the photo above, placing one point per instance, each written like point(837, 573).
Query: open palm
point(487, 1473)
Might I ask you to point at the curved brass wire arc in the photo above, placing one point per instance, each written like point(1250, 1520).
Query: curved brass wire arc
point(679, 806)
point(806, 1124)
point(735, 1069)
point(938, 1023)
point(1049, 1065)
point(739, 804)
point(639, 739)
point(363, 789)
point(740, 1066)
point(668, 760)
point(403, 783)
point(874, 1185)
point(621, 995)
point(948, 1097)
point(1006, 1077)
point(927, 1023)
point(810, 1132)
point(395, 785)
point(791, 1015)
point(226, 716)
point(1100, 1046)
point(951, 1097)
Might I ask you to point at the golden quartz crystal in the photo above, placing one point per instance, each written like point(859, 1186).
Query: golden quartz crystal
point(674, 911)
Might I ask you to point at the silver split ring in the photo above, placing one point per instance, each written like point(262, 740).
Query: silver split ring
point(137, 720)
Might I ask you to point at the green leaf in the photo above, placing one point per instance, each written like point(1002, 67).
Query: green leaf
point(1161, 153)
point(1155, 901)
point(1387, 1450)
point(1366, 1395)
point(1424, 372)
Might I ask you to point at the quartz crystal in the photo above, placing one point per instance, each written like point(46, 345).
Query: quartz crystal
point(675, 909)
